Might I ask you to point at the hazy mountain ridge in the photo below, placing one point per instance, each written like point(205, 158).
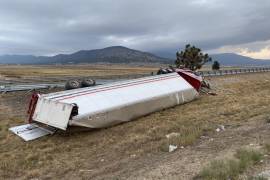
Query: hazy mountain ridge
point(119, 54)
point(236, 60)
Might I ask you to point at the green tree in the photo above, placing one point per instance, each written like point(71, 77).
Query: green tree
point(216, 65)
point(191, 58)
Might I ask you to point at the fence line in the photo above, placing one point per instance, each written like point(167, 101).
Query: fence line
point(233, 71)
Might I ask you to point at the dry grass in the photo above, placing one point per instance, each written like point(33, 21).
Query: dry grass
point(231, 168)
point(73, 70)
point(258, 178)
point(105, 152)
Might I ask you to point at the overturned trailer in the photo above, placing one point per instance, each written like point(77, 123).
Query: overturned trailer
point(111, 104)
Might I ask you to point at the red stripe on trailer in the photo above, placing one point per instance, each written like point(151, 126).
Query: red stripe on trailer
point(192, 81)
point(191, 78)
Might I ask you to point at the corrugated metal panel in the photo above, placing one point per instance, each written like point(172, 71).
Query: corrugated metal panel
point(52, 113)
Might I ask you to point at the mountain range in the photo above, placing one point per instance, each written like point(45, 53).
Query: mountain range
point(120, 54)
point(114, 54)
point(231, 59)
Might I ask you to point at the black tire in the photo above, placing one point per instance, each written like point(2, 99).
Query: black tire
point(162, 71)
point(169, 70)
point(87, 82)
point(159, 72)
point(73, 84)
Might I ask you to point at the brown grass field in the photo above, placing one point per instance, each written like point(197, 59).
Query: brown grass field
point(43, 71)
point(139, 149)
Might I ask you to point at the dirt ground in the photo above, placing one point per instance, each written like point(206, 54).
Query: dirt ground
point(139, 149)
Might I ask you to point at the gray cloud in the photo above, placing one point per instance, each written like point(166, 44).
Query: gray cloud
point(50, 27)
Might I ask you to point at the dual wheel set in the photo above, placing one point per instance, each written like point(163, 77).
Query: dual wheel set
point(79, 83)
point(165, 70)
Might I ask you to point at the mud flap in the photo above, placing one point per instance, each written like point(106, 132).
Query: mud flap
point(32, 131)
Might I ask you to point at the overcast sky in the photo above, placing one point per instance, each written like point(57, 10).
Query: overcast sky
point(47, 27)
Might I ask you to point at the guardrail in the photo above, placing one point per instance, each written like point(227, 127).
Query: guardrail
point(25, 87)
point(233, 71)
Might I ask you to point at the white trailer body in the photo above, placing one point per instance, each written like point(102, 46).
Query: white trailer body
point(107, 105)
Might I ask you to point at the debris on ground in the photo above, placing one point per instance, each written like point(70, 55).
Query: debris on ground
point(32, 131)
point(86, 170)
point(264, 174)
point(212, 93)
point(172, 148)
point(220, 128)
point(206, 88)
point(204, 137)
